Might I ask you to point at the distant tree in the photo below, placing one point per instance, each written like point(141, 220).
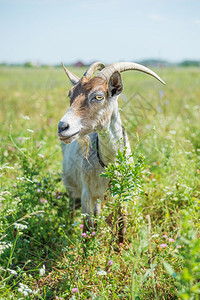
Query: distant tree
point(28, 64)
point(190, 63)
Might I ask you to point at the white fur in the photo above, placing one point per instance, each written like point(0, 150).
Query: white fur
point(73, 121)
point(81, 174)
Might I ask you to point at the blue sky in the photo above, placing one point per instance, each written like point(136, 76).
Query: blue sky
point(108, 30)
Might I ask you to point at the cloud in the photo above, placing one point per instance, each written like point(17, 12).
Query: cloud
point(197, 21)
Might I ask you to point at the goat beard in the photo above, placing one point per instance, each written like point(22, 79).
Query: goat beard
point(84, 143)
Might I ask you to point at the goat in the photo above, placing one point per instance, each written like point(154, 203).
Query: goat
point(91, 132)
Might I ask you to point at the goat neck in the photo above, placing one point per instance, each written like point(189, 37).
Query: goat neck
point(111, 138)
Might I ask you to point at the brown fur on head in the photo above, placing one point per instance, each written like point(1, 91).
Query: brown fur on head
point(90, 106)
point(84, 87)
point(84, 103)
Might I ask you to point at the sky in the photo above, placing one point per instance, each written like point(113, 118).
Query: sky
point(50, 31)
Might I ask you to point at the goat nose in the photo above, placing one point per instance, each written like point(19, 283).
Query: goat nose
point(62, 126)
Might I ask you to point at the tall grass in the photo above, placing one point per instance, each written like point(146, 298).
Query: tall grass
point(41, 248)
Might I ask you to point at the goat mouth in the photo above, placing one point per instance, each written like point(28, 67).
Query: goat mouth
point(67, 138)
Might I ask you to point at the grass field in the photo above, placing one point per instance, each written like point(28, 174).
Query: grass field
point(41, 253)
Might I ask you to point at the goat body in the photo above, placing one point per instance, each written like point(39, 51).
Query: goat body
point(81, 173)
point(91, 132)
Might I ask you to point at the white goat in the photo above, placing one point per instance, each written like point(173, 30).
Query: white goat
point(92, 126)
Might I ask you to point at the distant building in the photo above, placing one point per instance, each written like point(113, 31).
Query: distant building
point(79, 64)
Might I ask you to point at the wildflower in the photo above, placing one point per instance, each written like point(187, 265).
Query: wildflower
point(81, 226)
point(155, 235)
point(42, 270)
point(20, 226)
point(26, 117)
point(25, 290)
point(165, 236)
point(4, 246)
point(41, 155)
point(171, 240)
point(38, 190)
point(161, 93)
point(11, 148)
point(28, 180)
point(42, 200)
point(84, 234)
point(13, 272)
point(178, 246)
point(101, 273)
point(163, 245)
point(74, 290)
point(159, 109)
point(110, 263)
point(172, 131)
point(30, 130)
point(93, 233)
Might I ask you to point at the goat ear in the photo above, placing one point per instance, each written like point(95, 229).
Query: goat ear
point(115, 85)
point(72, 77)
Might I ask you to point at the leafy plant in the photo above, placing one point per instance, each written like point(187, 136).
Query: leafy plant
point(188, 245)
point(124, 186)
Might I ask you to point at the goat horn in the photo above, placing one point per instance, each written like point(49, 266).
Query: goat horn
point(93, 68)
point(72, 77)
point(125, 66)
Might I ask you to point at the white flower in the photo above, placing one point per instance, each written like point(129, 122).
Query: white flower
point(35, 292)
point(20, 226)
point(101, 273)
point(25, 289)
point(4, 246)
point(29, 180)
point(5, 166)
point(13, 272)
point(30, 130)
point(25, 139)
point(26, 117)
point(172, 131)
point(42, 270)
point(155, 235)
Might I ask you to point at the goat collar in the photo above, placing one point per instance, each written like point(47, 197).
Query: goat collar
point(97, 147)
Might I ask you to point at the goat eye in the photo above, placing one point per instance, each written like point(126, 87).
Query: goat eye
point(99, 97)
